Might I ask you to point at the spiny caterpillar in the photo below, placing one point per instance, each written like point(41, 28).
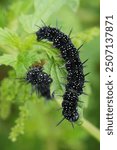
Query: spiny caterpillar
point(39, 80)
point(74, 67)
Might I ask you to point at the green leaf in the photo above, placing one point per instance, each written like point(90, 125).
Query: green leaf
point(26, 59)
point(43, 10)
point(57, 75)
point(9, 41)
point(8, 59)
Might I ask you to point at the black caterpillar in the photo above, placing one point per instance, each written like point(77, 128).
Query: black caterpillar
point(74, 67)
point(39, 80)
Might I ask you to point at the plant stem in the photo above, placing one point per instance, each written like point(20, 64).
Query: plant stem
point(91, 129)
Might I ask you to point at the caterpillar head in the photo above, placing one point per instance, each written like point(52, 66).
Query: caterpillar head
point(42, 33)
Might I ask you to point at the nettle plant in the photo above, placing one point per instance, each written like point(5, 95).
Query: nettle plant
point(19, 49)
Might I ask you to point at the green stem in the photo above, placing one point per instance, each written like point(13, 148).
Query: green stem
point(91, 129)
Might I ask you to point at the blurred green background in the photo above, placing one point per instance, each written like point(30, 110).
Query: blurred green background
point(29, 123)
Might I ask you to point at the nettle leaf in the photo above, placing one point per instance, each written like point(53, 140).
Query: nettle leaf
point(8, 59)
point(57, 75)
point(27, 23)
point(26, 59)
point(27, 42)
point(43, 10)
point(47, 49)
point(9, 41)
point(29, 57)
point(49, 7)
